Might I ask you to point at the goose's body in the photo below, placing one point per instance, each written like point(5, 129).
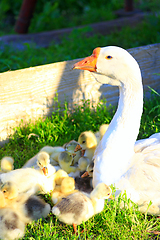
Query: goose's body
point(117, 159)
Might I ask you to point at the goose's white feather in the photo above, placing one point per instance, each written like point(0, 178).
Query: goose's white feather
point(119, 159)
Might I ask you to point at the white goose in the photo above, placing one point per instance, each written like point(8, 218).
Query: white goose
point(137, 172)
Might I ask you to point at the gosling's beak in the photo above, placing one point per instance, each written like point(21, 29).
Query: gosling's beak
point(85, 174)
point(88, 63)
point(77, 148)
point(45, 171)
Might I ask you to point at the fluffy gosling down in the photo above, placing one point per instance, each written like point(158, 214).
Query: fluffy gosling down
point(79, 207)
point(70, 147)
point(67, 187)
point(88, 142)
point(59, 176)
point(43, 163)
point(11, 225)
point(7, 164)
point(28, 207)
point(53, 153)
point(28, 180)
point(65, 160)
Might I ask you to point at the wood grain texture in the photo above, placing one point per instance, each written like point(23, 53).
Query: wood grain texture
point(29, 93)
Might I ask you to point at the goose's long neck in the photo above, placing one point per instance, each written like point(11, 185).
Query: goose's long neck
point(114, 153)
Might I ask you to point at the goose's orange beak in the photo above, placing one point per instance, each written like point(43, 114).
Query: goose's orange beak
point(88, 63)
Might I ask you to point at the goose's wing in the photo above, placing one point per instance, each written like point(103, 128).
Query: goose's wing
point(142, 179)
point(140, 145)
point(144, 172)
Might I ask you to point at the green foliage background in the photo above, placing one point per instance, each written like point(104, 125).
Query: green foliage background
point(56, 14)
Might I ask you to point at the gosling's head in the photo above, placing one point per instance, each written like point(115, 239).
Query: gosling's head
point(9, 190)
point(102, 191)
point(7, 164)
point(59, 176)
point(87, 139)
point(103, 128)
point(43, 161)
point(83, 163)
point(89, 170)
point(67, 185)
point(71, 146)
point(66, 157)
point(2, 200)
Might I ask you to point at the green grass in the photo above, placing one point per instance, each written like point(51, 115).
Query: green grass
point(63, 126)
point(147, 32)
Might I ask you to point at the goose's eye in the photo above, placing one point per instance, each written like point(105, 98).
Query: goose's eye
point(109, 57)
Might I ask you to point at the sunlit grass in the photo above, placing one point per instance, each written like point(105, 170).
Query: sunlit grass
point(63, 126)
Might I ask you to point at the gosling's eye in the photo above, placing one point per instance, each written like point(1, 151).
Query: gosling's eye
point(108, 194)
point(4, 191)
point(39, 163)
point(109, 57)
point(83, 141)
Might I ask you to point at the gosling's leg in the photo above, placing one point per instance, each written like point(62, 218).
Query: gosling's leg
point(75, 228)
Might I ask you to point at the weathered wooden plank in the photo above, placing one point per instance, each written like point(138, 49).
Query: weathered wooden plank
point(29, 93)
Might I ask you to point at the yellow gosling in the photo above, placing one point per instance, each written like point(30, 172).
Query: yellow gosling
point(79, 207)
